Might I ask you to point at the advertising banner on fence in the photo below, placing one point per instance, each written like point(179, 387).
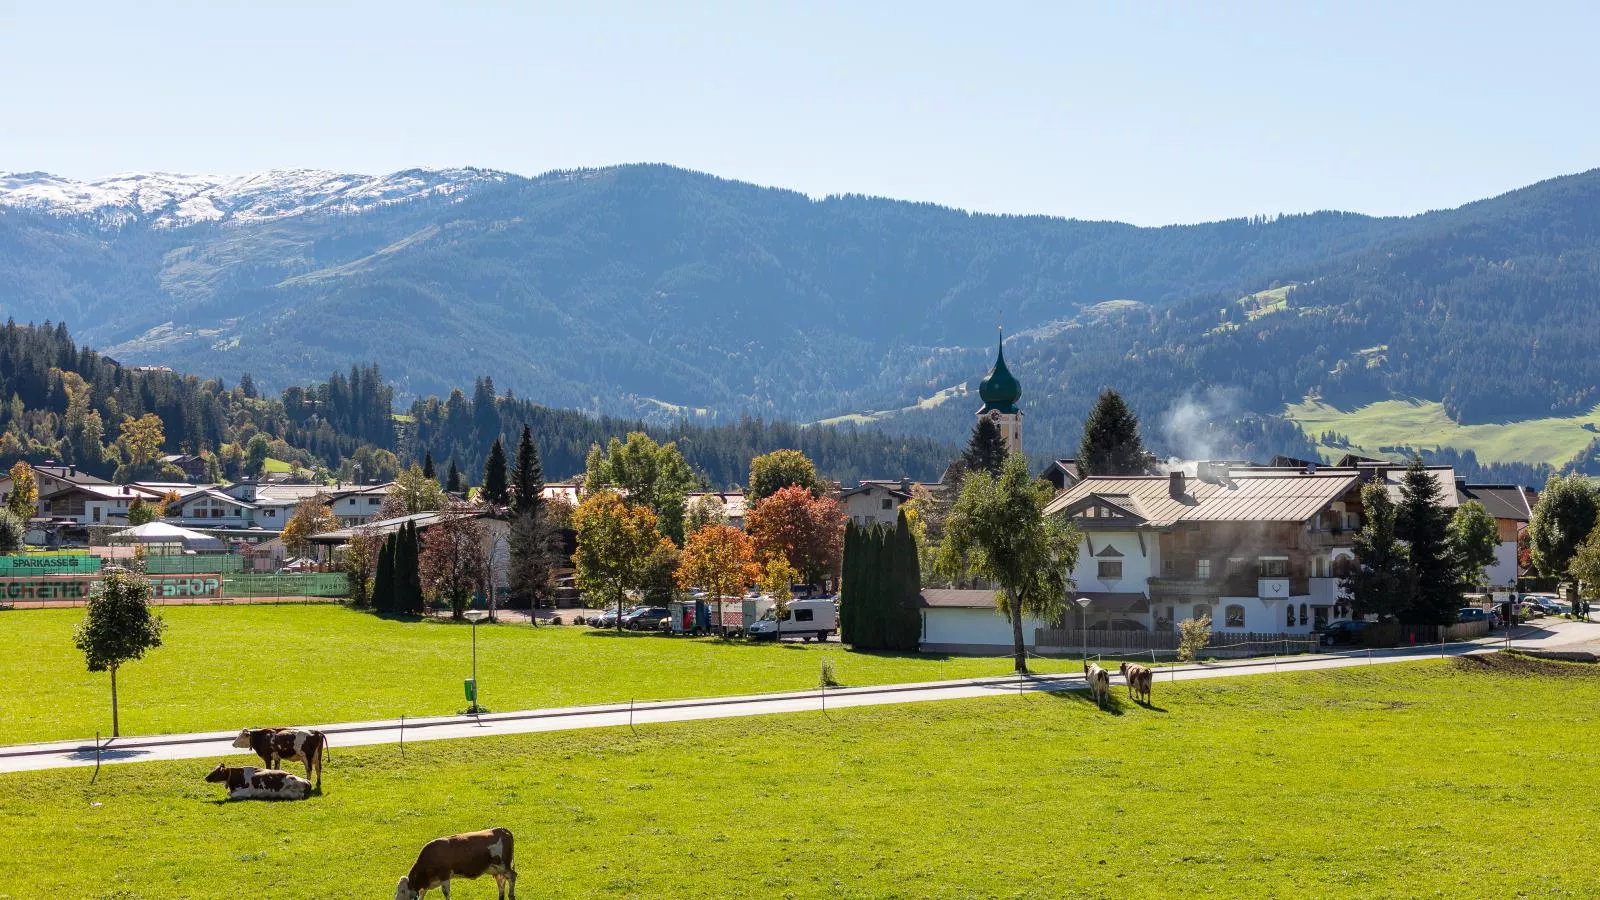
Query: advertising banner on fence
point(171, 587)
point(45, 588)
point(21, 565)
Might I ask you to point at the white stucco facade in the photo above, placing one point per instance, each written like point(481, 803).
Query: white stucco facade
point(971, 630)
point(1116, 562)
point(1502, 575)
point(872, 503)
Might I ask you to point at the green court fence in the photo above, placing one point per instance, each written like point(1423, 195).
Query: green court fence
point(194, 565)
point(309, 584)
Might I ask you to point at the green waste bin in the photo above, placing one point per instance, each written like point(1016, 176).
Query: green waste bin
point(471, 689)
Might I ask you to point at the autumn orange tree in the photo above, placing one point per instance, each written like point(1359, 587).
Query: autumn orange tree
point(721, 559)
point(617, 543)
point(807, 531)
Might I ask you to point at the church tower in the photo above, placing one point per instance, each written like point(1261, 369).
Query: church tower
point(1000, 391)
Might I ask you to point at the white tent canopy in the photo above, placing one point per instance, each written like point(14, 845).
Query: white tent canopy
point(162, 534)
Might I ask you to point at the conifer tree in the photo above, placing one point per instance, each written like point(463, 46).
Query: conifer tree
point(383, 578)
point(452, 482)
point(1422, 521)
point(1379, 585)
point(849, 582)
point(427, 464)
point(496, 489)
point(1111, 444)
point(531, 537)
point(986, 449)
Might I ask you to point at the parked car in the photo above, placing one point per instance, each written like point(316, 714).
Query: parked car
point(1342, 633)
point(644, 617)
point(1475, 614)
point(607, 619)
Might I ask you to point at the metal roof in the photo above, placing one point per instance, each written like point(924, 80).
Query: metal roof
point(1244, 496)
point(1503, 501)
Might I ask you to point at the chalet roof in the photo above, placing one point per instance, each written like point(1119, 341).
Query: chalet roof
point(1503, 501)
point(866, 487)
point(1244, 496)
point(214, 494)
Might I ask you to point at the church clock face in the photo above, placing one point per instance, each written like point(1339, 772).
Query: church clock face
point(994, 415)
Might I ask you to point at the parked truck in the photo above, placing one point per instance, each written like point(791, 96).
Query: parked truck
point(701, 616)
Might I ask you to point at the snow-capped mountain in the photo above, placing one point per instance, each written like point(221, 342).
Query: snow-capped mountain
point(166, 200)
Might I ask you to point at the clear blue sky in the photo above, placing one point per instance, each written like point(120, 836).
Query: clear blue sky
point(1143, 112)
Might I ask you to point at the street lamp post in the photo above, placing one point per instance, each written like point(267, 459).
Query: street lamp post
point(475, 616)
point(1082, 603)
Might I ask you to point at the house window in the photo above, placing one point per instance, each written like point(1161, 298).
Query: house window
point(1201, 611)
point(1235, 616)
point(1202, 568)
point(1274, 567)
point(97, 513)
point(887, 503)
point(1304, 619)
point(374, 501)
point(1168, 567)
point(1110, 568)
point(1291, 615)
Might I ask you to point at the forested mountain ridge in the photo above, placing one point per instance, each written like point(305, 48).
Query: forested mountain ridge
point(72, 405)
point(652, 291)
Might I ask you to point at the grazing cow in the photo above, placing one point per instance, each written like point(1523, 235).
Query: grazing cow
point(1139, 678)
point(1099, 682)
point(280, 745)
point(461, 856)
point(251, 783)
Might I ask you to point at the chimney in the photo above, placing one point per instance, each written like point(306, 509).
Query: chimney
point(905, 484)
point(1175, 485)
point(72, 472)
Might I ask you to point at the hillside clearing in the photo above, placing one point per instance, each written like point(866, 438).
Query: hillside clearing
point(1308, 785)
point(1424, 424)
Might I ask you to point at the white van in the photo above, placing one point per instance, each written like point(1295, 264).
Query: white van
point(806, 619)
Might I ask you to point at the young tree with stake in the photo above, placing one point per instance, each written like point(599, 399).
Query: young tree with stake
point(118, 627)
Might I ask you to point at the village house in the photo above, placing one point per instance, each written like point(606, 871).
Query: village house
point(875, 501)
point(1252, 549)
point(732, 504)
point(1512, 509)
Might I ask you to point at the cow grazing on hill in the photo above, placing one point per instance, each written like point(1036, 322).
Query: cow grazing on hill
point(251, 783)
point(1099, 682)
point(280, 745)
point(469, 855)
point(1139, 678)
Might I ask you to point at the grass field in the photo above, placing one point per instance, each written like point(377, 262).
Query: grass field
point(1424, 424)
point(223, 667)
point(1385, 782)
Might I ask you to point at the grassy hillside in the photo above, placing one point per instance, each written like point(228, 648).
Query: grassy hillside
point(1424, 424)
point(1290, 786)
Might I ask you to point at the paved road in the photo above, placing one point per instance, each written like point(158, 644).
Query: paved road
point(28, 757)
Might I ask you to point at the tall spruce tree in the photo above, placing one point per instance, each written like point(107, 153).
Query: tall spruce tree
point(452, 482)
point(496, 488)
point(986, 449)
point(407, 577)
point(427, 464)
point(1111, 444)
point(531, 537)
point(1380, 584)
point(1422, 521)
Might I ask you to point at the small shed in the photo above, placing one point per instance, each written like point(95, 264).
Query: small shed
point(162, 538)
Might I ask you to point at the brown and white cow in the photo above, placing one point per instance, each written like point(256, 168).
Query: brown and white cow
point(281, 745)
point(1139, 679)
point(469, 855)
point(1099, 682)
point(251, 783)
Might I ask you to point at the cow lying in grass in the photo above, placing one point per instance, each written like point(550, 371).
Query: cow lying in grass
point(251, 783)
point(469, 855)
point(281, 745)
point(1139, 678)
point(1099, 682)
